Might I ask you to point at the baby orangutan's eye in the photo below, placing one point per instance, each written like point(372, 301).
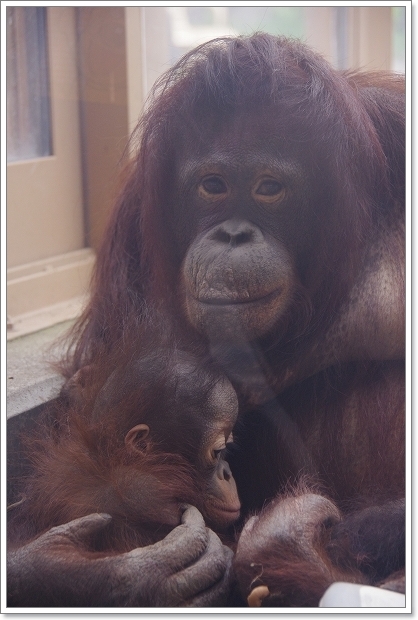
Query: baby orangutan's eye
point(217, 453)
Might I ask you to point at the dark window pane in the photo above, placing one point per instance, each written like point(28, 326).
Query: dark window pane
point(28, 104)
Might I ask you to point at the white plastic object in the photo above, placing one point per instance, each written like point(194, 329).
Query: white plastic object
point(341, 594)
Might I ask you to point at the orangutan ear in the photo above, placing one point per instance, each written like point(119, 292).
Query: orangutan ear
point(136, 439)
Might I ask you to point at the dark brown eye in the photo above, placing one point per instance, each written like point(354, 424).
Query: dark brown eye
point(214, 185)
point(217, 454)
point(269, 187)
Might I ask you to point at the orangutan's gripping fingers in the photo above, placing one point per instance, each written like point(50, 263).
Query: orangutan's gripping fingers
point(78, 531)
point(206, 582)
point(181, 547)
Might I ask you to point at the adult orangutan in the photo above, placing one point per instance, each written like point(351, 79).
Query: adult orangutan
point(265, 211)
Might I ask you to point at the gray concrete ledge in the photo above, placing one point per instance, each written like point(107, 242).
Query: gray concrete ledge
point(31, 379)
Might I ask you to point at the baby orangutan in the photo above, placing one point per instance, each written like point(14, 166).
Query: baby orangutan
point(137, 446)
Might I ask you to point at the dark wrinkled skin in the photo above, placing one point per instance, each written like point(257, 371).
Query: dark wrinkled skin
point(300, 544)
point(188, 568)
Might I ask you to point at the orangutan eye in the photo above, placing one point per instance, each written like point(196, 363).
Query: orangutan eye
point(214, 185)
point(217, 453)
point(270, 187)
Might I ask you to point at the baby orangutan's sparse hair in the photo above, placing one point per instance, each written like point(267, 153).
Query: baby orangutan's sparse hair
point(138, 441)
